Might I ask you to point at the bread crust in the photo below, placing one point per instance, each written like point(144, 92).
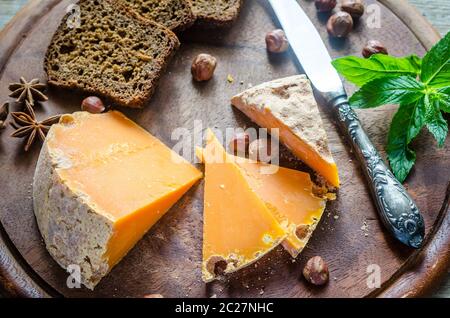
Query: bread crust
point(218, 19)
point(88, 85)
point(187, 20)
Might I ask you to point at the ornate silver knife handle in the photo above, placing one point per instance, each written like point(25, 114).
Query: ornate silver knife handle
point(398, 211)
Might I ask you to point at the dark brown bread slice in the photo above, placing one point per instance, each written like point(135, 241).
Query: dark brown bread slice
point(111, 54)
point(176, 15)
point(216, 13)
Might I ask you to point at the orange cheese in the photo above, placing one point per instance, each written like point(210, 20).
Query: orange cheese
point(238, 227)
point(287, 193)
point(288, 105)
point(134, 190)
point(124, 176)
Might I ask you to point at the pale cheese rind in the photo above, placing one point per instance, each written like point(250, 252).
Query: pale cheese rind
point(100, 184)
point(73, 230)
point(289, 105)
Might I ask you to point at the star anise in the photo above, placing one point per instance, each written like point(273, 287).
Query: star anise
point(29, 91)
point(29, 107)
point(27, 126)
point(4, 111)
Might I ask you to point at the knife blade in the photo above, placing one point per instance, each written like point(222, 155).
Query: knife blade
point(398, 212)
point(307, 45)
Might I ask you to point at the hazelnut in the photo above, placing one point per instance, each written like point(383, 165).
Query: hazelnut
point(316, 271)
point(302, 231)
point(154, 296)
point(354, 7)
point(276, 41)
point(325, 5)
point(203, 67)
point(93, 104)
point(216, 265)
point(340, 24)
point(262, 150)
point(373, 47)
point(239, 143)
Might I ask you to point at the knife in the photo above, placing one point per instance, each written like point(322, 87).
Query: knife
point(397, 210)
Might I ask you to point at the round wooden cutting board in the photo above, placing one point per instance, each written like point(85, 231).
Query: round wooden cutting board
point(167, 260)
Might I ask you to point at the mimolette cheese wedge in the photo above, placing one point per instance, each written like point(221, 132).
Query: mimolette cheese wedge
point(289, 196)
point(288, 104)
point(100, 184)
point(238, 227)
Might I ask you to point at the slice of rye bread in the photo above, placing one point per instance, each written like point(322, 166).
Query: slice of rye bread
point(111, 54)
point(216, 13)
point(176, 15)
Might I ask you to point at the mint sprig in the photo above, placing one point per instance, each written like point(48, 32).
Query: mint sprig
point(443, 96)
point(361, 71)
point(436, 123)
point(391, 90)
point(436, 64)
point(420, 86)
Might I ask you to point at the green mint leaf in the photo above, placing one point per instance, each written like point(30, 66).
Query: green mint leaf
point(417, 119)
point(401, 161)
point(439, 129)
point(401, 157)
point(443, 98)
point(361, 71)
point(443, 78)
point(415, 61)
point(436, 123)
point(436, 64)
point(388, 90)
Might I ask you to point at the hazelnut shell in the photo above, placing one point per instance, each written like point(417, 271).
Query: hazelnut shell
point(340, 24)
point(374, 47)
point(325, 5)
point(240, 142)
point(316, 271)
point(276, 41)
point(93, 104)
point(203, 67)
point(354, 7)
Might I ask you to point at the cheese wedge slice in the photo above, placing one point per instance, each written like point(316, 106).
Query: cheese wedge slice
point(238, 227)
point(288, 194)
point(289, 105)
point(100, 184)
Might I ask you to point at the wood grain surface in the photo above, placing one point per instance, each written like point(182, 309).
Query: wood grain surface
point(167, 260)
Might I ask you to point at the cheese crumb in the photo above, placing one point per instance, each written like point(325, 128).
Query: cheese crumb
point(365, 229)
point(230, 79)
